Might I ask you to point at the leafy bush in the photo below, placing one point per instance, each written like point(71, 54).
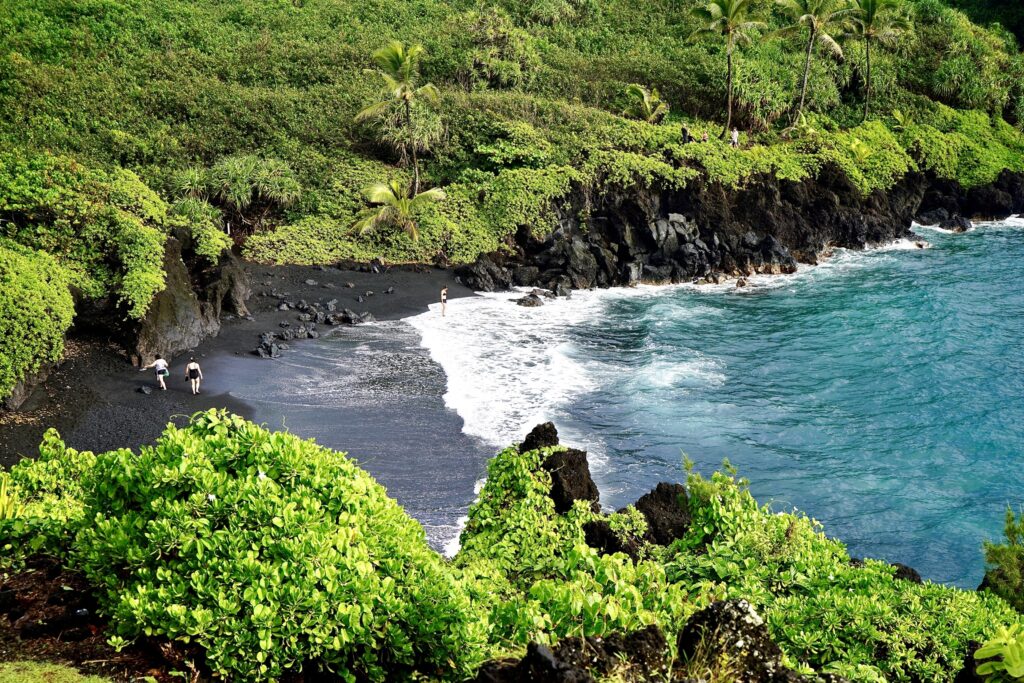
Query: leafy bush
point(274, 554)
point(51, 508)
point(106, 229)
point(1004, 653)
point(35, 311)
point(821, 608)
point(270, 553)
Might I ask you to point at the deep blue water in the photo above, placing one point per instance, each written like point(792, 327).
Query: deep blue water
point(883, 394)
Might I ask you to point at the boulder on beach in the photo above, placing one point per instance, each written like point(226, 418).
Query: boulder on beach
point(956, 223)
point(530, 301)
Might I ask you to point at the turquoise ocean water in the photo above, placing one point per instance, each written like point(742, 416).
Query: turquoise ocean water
point(882, 392)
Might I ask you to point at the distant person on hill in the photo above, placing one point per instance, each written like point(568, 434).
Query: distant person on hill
point(686, 135)
point(444, 300)
point(735, 137)
point(161, 370)
point(194, 374)
point(704, 137)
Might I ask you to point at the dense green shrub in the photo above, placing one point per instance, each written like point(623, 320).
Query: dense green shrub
point(105, 229)
point(49, 493)
point(822, 609)
point(35, 311)
point(271, 553)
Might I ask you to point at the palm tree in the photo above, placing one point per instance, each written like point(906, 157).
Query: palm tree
point(398, 207)
point(819, 16)
point(880, 21)
point(727, 18)
point(645, 104)
point(398, 65)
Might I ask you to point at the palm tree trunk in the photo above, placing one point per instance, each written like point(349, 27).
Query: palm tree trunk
point(807, 74)
point(867, 86)
point(728, 89)
point(412, 147)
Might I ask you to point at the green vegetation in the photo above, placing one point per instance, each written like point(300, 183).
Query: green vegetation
point(273, 553)
point(1005, 655)
point(128, 120)
point(36, 672)
point(35, 311)
point(1006, 562)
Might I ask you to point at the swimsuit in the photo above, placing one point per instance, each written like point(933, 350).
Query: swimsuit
point(193, 373)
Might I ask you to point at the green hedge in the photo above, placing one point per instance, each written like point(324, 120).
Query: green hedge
point(35, 311)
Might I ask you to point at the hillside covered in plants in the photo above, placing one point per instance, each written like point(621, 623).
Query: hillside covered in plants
point(258, 555)
point(279, 125)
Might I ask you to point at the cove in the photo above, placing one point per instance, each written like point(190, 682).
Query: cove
point(882, 392)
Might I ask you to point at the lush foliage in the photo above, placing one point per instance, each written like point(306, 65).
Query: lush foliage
point(272, 554)
point(1006, 562)
point(35, 311)
point(1004, 653)
point(524, 96)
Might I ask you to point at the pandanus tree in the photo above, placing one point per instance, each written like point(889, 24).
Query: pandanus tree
point(644, 104)
point(397, 206)
point(399, 67)
point(820, 18)
point(876, 21)
point(727, 19)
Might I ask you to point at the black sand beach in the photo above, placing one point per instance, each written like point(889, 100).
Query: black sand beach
point(93, 397)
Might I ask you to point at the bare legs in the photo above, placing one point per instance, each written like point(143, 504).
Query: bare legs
point(195, 386)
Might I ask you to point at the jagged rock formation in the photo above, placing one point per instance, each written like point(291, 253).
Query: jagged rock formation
point(707, 229)
point(188, 309)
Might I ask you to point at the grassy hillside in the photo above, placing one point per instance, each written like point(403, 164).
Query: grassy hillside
point(124, 119)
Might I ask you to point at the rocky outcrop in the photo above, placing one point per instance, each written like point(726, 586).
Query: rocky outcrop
point(734, 629)
point(667, 512)
point(636, 235)
point(947, 200)
point(189, 308)
point(542, 436)
point(570, 479)
point(25, 386)
point(176, 319)
point(630, 235)
point(638, 656)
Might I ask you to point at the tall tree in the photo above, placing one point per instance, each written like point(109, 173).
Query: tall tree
point(399, 67)
point(820, 17)
point(878, 21)
point(728, 19)
point(396, 206)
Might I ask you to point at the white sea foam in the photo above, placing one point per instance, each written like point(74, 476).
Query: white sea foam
point(510, 367)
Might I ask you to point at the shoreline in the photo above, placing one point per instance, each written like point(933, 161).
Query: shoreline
point(93, 397)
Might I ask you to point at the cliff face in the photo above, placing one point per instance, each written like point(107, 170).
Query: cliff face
point(636, 234)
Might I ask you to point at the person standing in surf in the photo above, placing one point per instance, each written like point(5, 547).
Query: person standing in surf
point(194, 374)
point(161, 371)
point(444, 301)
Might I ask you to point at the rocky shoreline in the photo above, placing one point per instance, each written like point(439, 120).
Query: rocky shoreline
point(701, 233)
point(707, 231)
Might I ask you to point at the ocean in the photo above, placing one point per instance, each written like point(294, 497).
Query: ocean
point(881, 392)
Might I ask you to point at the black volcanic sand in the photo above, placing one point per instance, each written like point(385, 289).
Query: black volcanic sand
point(388, 416)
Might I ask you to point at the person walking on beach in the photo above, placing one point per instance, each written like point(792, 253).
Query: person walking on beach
point(194, 374)
point(735, 137)
point(444, 300)
point(161, 370)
